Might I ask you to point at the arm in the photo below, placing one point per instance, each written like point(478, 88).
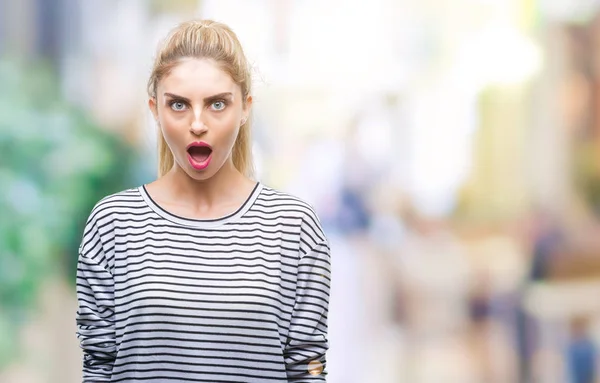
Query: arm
point(307, 340)
point(95, 314)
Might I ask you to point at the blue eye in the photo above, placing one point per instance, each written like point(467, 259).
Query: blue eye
point(177, 106)
point(218, 105)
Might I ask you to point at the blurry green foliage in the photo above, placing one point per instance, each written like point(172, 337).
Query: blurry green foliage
point(55, 164)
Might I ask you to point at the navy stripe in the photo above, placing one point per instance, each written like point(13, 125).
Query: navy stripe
point(165, 298)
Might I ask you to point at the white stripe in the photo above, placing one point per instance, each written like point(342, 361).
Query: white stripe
point(164, 298)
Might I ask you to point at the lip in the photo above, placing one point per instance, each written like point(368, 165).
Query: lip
point(199, 165)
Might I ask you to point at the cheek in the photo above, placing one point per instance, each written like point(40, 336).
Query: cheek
point(171, 132)
point(231, 133)
point(171, 124)
point(225, 127)
point(172, 120)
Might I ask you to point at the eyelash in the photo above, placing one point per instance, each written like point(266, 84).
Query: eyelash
point(173, 102)
point(225, 104)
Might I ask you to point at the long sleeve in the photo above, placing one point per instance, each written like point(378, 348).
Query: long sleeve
point(307, 339)
point(95, 314)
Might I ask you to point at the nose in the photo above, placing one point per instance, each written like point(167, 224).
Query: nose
point(198, 127)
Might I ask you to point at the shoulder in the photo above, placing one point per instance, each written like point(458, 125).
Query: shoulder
point(100, 220)
point(278, 198)
point(307, 218)
point(97, 242)
point(121, 201)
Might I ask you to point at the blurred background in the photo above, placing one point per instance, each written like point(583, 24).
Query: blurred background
point(450, 148)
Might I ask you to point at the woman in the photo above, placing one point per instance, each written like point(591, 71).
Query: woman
point(204, 274)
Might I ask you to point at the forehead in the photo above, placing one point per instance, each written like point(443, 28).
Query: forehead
point(199, 77)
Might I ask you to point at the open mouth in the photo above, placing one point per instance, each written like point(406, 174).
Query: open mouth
point(199, 153)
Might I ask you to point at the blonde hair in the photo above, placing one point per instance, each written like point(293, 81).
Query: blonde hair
point(205, 39)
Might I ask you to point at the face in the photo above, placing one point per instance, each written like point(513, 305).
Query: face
point(200, 109)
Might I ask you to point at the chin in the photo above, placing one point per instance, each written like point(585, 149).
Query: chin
point(199, 175)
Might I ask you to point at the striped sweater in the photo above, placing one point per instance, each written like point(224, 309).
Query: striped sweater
point(243, 298)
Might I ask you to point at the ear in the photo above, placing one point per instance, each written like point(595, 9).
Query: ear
point(153, 108)
point(247, 107)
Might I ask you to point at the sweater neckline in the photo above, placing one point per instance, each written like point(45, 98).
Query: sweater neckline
point(201, 223)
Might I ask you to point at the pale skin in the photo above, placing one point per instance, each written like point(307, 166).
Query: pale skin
point(198, 101)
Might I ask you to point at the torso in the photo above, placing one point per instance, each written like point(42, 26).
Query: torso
point(206, 299)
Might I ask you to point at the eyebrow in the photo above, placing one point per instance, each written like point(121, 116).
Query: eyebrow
point(206, 99)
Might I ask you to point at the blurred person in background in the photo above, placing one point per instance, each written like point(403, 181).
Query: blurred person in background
point(581, 352)
point(203, 274)
point(546, 238)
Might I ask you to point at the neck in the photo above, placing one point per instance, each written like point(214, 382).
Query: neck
point(222, 188)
